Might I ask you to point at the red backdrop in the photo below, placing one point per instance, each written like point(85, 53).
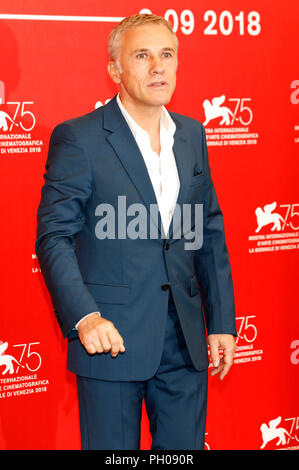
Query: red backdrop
point(238, 74)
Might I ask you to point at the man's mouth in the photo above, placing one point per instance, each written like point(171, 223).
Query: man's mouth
point(158, 84)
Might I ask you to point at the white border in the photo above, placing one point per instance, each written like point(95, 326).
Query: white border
point(111, 19)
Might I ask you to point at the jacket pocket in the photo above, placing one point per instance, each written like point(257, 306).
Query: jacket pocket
point(109, 293)
point(197, 177)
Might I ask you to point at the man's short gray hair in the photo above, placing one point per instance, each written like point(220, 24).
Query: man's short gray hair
point(131, 22)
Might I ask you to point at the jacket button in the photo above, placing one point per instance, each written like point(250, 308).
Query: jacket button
point(165, 287)
point(167, 246)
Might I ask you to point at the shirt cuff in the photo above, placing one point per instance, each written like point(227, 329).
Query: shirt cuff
point(76, 326)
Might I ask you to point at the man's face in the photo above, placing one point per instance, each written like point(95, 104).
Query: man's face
point(148, 58)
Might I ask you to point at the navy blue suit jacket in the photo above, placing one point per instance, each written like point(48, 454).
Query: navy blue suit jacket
point(92, 160)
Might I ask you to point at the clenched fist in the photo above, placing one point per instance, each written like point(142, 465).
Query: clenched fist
point(99, 335)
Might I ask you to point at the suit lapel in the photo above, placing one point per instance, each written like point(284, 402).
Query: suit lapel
point(181, 150)
point(127, 150)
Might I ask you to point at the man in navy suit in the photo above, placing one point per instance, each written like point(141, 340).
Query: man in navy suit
point(137, 304)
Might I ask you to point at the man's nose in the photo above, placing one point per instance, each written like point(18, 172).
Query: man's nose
point(157, 65)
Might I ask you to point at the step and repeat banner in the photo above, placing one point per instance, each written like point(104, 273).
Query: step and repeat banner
point(238, 74)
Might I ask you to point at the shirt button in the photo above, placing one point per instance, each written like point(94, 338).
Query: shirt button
point(165, 287)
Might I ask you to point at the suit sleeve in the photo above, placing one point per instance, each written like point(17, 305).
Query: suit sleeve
point(60, 216)
point(212, 262)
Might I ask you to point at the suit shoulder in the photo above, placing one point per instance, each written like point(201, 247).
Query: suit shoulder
point(186, 122)
point(81, 125)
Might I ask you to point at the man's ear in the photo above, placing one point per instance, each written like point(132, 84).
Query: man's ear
point(113, 71)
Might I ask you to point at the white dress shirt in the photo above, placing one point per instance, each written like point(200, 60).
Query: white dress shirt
point(161, 168)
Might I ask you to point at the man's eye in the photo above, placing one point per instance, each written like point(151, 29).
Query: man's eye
point(167, 54)
point(142, 55)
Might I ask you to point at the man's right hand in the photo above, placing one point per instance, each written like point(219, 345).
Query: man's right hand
point(99, 335)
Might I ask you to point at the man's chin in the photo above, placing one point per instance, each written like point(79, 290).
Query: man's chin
point(159, 101)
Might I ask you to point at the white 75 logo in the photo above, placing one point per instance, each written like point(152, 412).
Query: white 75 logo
point(24, 113)
point(249, 329)
point(290, 213)
point(240, 108)
point(33, 357)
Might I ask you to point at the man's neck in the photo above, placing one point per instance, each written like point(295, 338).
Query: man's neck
point(147, 117)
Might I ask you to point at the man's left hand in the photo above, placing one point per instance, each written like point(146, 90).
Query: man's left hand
point(226, 344)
